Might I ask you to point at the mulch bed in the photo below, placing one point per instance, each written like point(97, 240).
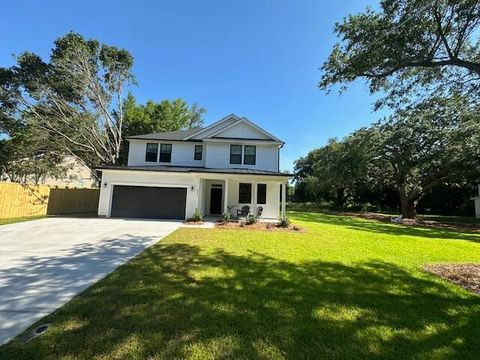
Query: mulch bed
point(465, 275)
point(193, 222)
point(258, 226)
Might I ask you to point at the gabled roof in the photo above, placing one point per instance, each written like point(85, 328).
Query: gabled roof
point(167, 135)
point(265, 133)
point(218, 125)
point(213, 131)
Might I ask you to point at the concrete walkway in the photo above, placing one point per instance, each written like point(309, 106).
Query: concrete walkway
point(44, 263)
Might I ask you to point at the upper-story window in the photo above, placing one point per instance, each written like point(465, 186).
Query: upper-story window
point(235, 154)
point(151, 153)
point(198, 152)
point(250, 154)
point(165, 153)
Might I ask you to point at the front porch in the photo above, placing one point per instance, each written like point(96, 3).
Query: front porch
point(261, 196)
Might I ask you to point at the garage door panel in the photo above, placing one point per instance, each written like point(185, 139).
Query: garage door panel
point(149, 202)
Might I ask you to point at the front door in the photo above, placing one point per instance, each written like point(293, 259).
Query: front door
point(216, 201)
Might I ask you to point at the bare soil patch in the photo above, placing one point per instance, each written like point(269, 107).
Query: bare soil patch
point(465, 275)
point(258, 226)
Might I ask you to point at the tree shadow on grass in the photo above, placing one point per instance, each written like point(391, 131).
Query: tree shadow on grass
point(174, 301)
point(383, 228)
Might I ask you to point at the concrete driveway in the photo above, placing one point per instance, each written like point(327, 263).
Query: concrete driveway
point(44, 263)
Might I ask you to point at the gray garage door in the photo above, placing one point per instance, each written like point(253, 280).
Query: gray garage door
point(149, 202)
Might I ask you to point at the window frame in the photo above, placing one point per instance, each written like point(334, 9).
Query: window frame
point(264, 200)
point(195, 152)
point(250, 155)
point(249, 186)
point(239, 155)
point(147, 152)
point(169, 153)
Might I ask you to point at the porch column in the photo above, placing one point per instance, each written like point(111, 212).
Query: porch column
point(198, 191)
point(284, 198)
point(225, 196)
point(254, 198)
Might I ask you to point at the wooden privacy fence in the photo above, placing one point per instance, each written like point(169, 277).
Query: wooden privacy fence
point(19, 200)
point(73, 201)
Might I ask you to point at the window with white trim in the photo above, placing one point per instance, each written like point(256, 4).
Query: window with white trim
point(165, 153)
point(249, 155)
point(151, 152)
point(235, 154)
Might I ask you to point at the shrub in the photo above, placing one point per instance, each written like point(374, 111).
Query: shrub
point(197, 216)
point(284, 222)
point(251, 219)
point(225, 218)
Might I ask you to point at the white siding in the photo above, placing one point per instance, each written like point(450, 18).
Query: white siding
point(218, 157)
point(182, 153)
point(144, 178)
point(242, 131)
point(198, 189)
point(272, 207)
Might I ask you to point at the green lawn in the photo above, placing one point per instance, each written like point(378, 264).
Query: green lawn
point(19, 219)
point(346, 288)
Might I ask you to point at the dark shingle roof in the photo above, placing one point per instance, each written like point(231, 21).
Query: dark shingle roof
point(167, 135)
point(185, 169)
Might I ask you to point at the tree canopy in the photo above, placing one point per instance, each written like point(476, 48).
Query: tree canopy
point(72, 98)
point(166, 115)
point(27, 156)
point(416, 149)
point(409, 48)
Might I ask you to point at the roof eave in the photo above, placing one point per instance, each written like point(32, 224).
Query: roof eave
point(190, 171)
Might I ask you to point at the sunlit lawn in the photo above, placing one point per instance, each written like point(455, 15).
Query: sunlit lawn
point(346, 288)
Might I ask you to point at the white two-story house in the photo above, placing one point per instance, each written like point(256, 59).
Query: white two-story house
point(221, 168)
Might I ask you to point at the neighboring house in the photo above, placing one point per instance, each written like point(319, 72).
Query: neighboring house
point(77, 175)
point(228, 165)
point(477, 203)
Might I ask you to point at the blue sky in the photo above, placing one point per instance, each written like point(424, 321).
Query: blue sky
point(257, 58)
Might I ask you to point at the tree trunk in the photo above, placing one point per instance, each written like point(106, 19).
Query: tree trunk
point(340, 197)
point(408, 206)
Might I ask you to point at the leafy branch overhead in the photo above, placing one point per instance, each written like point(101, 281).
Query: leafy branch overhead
point(73, 97)
point(409, 48)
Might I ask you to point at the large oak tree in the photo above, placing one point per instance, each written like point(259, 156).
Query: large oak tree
point(435, 142)
point(409, 49)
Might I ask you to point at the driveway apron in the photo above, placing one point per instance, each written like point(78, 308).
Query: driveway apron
point(44, 263)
